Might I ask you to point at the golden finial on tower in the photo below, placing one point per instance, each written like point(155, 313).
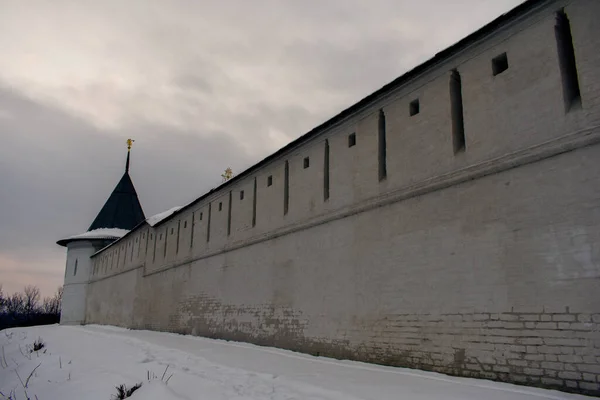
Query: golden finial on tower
point(129, 143)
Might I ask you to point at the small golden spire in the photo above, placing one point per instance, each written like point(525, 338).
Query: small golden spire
point(129, 143)
point(227, 175)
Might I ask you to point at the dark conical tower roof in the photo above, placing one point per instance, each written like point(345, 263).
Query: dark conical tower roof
point(122, 209)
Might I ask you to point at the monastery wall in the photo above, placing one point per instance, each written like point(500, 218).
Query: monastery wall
point(382, 238)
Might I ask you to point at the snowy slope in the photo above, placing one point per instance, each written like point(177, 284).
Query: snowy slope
point(88, 362)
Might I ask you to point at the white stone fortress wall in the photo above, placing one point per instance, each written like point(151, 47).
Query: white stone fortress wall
point(380, 237)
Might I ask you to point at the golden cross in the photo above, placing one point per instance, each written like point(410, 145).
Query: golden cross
point(129, 143)
point(227, 175)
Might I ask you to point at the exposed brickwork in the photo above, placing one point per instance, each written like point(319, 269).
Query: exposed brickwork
point(512, 346)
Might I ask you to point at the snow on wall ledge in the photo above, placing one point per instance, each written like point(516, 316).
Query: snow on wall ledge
point(158, 218)
point(102, 233)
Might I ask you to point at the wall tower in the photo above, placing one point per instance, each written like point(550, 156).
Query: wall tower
point(121, 213)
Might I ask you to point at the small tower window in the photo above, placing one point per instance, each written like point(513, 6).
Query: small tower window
point(241, 195)
point(75, 269)
point(270, 180)
point(200, 216)
point(413, 107)
point(499, 64)
point(306, 162)
point(171, 231)
point(352, 140)
point(184, 224)
point(220, 205)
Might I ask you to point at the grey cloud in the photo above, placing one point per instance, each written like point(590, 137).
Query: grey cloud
point(352, 69)
point(57, 171)
point(193, 82)
point(189, 63)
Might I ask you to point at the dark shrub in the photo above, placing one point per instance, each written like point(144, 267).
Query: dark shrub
point(123, 392)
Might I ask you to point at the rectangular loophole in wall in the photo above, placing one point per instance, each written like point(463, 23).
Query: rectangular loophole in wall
point(352, 140)
point(171, 231)
point(153, 252)
point(220, 206)
point(567, 62)
point(184, 224)
point(165, 247)
point(192, 230)
point(413, 107)
point(306, 162)
point(229, 213)
point(286, 188)
point(456, 109)
point(178, 236)
point(241, 195)
point(208, 223)
point(270, 180)
point(200, 217)
point(499, 64)
point(140, 246)
point(382, 147)
point(326, 172)
point(254, 194)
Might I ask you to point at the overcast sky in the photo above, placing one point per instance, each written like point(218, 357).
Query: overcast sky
point(200, 85)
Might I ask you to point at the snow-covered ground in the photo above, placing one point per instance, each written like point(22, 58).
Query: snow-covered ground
point(88, 362)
